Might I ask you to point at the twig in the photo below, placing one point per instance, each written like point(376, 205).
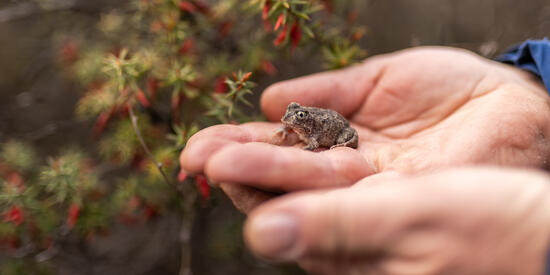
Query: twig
point(185, 236)
point(134, 119)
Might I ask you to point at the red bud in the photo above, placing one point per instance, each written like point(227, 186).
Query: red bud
point(142, 98)
point(182, 176)
point(152, 86)
point(221, 87)
point(187, 6)
point(268, 67)
point(281, 37)
point(246, 76)
point(69, 52)
point(187, 47)
point(202, 185)
point(101, 122)
point(15, 215)
point(295, 35)
point(72, 217)
point(279, 22)
point(265, 10)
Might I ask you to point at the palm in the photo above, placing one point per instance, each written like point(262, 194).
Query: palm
point(415, 110)
point(433, 108)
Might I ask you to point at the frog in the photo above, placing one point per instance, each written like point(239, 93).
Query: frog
point(318, 127)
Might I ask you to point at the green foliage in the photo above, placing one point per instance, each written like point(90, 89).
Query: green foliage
point(17, 155)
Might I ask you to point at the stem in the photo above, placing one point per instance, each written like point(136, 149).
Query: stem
point(134, 119)
point(185, 234)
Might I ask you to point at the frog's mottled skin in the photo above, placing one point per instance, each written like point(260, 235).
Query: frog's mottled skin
point(318, 127)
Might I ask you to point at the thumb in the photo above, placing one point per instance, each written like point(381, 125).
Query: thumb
point(350, 222)
point(343, 90)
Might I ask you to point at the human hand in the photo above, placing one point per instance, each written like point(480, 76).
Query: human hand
point(414, 110)
point(466, 221)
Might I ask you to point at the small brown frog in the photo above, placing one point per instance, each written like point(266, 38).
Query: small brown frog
point(318, 127)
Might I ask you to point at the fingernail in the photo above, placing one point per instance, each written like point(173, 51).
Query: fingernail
point(273, 236)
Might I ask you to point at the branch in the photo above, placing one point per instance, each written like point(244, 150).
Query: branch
point(134, 119)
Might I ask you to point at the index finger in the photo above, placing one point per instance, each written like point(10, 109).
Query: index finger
point(208, 141)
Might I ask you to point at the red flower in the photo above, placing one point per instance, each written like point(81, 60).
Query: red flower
point(182, 176)
point(15, 215)
point(281, 38)
point(187, 6)
point(202, 185)
point(72, 217)
point(221, 87)
point(142, 98)
point(295, 35)
point(279, 22)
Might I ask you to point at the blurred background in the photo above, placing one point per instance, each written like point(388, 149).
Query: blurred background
point(38, 98)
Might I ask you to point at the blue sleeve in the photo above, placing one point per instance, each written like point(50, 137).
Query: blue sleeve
point(533, 56)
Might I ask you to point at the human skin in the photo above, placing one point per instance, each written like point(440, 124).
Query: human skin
point(415, 110)
point(467, 221)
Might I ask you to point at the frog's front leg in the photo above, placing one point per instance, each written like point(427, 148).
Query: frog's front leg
point(283, 130)
point(312, 144)
point(348, 137)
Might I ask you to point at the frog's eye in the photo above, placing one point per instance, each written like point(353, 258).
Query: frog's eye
point(301, 114)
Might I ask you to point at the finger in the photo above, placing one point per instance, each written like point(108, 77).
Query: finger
point(343, 91)
point(206, 142)
point(276, 168)
point(343, 223)
point(245, 198)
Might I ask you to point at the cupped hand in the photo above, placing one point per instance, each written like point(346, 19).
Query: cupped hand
point(466, 221)
point(414, 110)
